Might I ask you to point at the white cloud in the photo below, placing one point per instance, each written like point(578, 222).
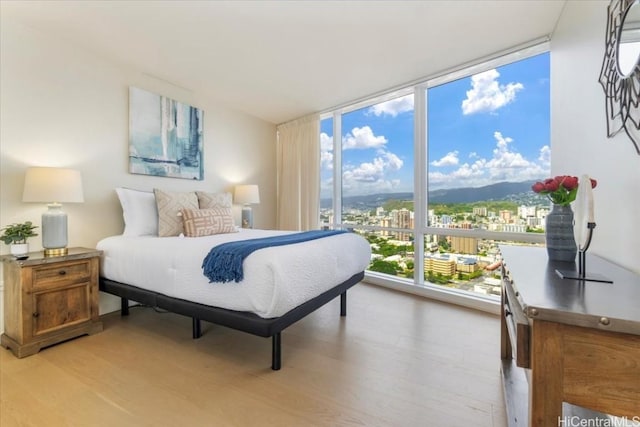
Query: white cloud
point(487, 95)
point(451, 159)
point(326, 151)
point(362, 138)
point(393, 107)
point(503, 159)
point(505, 164)
point(326, 142)
point(545, 155)
point(366, 177)
point(371, 177)
point(326, 187)
point(326, 160)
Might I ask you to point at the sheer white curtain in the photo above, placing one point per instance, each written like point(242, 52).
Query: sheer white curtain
point(298, 174)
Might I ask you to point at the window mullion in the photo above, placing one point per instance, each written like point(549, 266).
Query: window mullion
point(419, 182)
point(337, 168)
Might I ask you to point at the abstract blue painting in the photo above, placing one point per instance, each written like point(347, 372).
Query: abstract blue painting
point(165, 136)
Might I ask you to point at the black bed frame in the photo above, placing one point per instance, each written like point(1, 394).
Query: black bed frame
point(240, 320)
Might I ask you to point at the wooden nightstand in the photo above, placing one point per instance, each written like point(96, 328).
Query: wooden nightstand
point(49, 299)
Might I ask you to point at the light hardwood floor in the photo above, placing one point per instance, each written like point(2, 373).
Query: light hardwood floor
point(395, 360)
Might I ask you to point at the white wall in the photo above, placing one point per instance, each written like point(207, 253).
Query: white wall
point(578, 132)
point(64, 106)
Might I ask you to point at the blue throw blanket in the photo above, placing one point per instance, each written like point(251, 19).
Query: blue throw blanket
point(224, 262)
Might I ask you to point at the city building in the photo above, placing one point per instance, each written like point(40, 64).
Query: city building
point(442, 264)
point(505, 215)
point(464, 245)
point(466, 264)
point(526, 211)
point(481, 211)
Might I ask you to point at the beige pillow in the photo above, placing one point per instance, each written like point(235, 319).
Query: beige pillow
point(206, 222)
point(169, 206)
point(213, 200)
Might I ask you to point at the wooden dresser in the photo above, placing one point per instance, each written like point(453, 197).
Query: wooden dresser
point(49, 299)
point(568, 341)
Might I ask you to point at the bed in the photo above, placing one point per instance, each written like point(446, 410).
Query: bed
point(281, 285)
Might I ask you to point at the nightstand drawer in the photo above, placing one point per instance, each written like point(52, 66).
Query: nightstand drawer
point(517, 325)
point(60, 274)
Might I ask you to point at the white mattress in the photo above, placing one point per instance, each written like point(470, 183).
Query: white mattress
point(276, 279)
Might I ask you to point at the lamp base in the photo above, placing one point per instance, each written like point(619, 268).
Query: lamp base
point(247, 217)
point(56, 252)
point(54, 230)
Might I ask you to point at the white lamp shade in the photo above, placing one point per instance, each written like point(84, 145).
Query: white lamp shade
point(246, 195)
point(47, 185)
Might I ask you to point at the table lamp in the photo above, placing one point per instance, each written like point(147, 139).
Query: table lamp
point(246, 195)
point(53, 186)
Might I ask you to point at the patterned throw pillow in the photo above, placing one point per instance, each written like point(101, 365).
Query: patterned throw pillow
point(169, 206)
point(213, 200)
point(206, 222)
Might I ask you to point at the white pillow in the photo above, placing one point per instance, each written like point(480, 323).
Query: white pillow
point(139, 211)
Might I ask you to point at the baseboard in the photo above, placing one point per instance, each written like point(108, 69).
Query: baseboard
point(444, 295)
point(108, 303)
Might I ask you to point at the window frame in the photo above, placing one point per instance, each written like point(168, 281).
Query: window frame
point(420, 88)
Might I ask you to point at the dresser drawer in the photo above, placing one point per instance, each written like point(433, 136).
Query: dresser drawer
point(517, 325)
point(47, 276)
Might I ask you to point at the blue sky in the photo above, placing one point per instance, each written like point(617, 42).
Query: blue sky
point(487, 128)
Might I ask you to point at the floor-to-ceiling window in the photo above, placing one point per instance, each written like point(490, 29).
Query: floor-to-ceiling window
point(438, 174)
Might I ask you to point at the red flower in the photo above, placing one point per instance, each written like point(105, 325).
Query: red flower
point(561, 190)
point(570, 182)
point(537, 187)
point(551, 185)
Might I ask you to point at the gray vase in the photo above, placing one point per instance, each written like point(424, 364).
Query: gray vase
point(561, 244)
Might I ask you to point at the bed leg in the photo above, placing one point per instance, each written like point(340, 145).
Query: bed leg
point(124, 307)
point(196, 328)
point(276, 354)
point(343, 304)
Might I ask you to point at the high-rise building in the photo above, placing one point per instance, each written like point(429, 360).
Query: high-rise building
point(481, 211)
point(402, 218)
point(464, 245)
point(526, 211)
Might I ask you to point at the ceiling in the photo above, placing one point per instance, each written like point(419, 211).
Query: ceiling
point(279, 60)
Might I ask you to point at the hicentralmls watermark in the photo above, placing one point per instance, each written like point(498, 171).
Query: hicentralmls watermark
point(575, 421)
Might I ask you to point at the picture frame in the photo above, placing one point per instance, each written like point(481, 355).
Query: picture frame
point(165, 136)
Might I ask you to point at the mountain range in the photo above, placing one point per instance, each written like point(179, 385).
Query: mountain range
point(499, 191)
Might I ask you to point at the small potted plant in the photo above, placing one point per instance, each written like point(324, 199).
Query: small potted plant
point(16, 235)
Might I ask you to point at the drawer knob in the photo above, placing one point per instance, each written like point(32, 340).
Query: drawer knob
point(36, 314)
point(604, 321)
point(62, 272)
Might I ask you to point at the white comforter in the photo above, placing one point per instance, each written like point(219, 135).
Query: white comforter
point(276, 279)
